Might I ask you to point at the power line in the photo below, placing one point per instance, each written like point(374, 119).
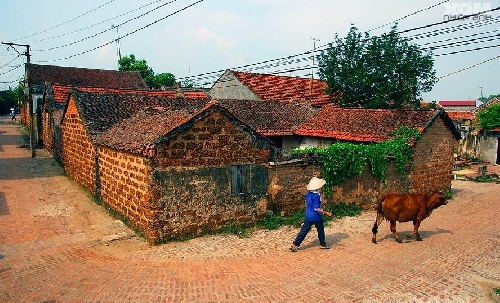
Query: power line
point(95, 24)
point(324, 48)
point(131, 33)
point(409, 15)
point(2, 66)
point(104, 31)
point(66, 22)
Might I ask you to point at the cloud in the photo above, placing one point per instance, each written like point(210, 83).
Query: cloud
point(105, 55)
point(205, 35)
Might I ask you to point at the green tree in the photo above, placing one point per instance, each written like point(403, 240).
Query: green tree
point(486, 99)
point(12, 98)
point(164, 79)
point(376, 72)
point(489, 118)
point(130, 63)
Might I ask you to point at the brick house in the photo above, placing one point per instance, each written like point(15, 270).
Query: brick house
point(276, 121)
point(458, 105)
point(463, 120)
point(432, 159)
point(41, 78)
point(171, 166)
point(251, 86)
point(56, 96)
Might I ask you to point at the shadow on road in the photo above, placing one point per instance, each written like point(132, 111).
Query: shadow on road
point(423, 234)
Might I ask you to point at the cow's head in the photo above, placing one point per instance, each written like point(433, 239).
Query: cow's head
point(436, 199)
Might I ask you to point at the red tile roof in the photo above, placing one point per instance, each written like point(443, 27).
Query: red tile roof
point(285, 89)
point(366, 125)
point(61, 92)
point(75, 76)
point(457, 102)
point(460, 115)
point(101, 110)
point(140, 133)
point(270, 118)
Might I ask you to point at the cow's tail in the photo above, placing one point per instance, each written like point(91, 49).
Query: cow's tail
point(378, 220)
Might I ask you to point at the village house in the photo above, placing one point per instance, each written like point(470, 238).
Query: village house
point(457, 105)
point(432, 158)
point(486, 143)
point(251, 86)
point(464, 123)
point(56, 96)
point(42, 76)
point(170, 166)
point(176, 163)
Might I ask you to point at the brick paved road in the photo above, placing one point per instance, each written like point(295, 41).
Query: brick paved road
point(57, 246)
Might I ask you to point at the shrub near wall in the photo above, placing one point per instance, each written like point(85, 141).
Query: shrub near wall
point(431, 170)
point(364, 189)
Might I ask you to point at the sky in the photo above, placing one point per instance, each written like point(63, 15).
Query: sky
point(199, 39)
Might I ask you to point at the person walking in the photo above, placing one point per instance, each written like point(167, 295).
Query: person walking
point(313, 215)
point(13, 114)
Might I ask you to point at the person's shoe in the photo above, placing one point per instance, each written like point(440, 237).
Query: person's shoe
point(293, 248)
point(325, 247)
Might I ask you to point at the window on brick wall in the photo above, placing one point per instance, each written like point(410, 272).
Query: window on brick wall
point(249, 180)
point(240, 179)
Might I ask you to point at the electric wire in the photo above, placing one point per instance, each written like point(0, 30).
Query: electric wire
point(409, 15)
point(274, 63)
point(104, 31)
point(98, 23)
point(66, 22)
point(309, 52)
point(130, 33)
point(2, 66)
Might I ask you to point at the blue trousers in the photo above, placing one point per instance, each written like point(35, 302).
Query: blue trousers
point(306, 227)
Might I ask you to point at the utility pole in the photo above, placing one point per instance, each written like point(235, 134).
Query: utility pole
point(312, 66)
point(118, 53)
point(481, 92)
point(28, 83)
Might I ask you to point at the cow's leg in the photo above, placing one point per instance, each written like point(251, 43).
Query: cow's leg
point(416, 225)
point(393, 229)
point(378, 220)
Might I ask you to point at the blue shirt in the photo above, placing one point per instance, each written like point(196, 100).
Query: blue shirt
point(313, 206)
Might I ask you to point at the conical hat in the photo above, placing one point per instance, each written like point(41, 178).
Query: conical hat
point(315, 183)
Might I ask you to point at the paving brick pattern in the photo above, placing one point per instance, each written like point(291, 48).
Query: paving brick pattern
point(56, 245)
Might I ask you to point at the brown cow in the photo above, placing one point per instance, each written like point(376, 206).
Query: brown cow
point(406, 207)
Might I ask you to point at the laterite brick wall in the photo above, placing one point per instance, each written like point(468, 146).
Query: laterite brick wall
point(47, 135)
point(433, 160)
point(78, 151)
point(431, 170)
point(213, 141)
point(125, 186)
point(288, 182)
point(191, 192)
point(195, 175)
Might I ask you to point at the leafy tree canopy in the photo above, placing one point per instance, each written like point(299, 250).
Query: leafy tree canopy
point(130, 63)
point(489, 118)
point(164, 79)
point(486, 99)
point(376, 72)
point(12, 98)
